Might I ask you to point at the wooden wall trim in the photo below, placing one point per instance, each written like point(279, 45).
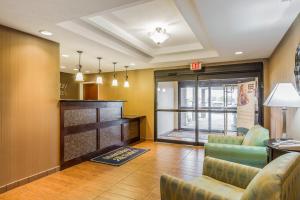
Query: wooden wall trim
point(28, 179)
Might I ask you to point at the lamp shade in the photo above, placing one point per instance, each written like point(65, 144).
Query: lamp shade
point(99, 80)
point(79, 76)
point(114, 82)
point(283, 95)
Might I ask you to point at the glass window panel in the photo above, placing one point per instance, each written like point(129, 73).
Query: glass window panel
point(187, 120)
point(167, 126)
point(187, 97)
point(217, 122)
point(203, 97)
point(232, 94)
point(231, 122)
point(203, 120)
point(217, 97)
point(167, 95)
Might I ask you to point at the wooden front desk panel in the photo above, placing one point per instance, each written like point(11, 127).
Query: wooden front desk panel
point(91, 128)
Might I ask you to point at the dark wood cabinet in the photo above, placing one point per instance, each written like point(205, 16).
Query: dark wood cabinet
point(91, 128)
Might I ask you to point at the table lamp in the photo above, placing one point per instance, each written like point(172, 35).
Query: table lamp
point(284, 95)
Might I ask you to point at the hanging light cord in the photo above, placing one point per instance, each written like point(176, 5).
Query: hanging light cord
point(79, 52)
point(99, 58)
point(126, 72)
point(114, 69)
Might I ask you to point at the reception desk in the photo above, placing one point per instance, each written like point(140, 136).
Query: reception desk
point(91, 128)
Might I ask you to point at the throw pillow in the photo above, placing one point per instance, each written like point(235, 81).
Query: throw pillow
point(256, 136)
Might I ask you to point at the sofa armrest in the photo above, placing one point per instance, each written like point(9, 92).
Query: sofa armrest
point(172, 188)
point(225, 139)
point(229, 172)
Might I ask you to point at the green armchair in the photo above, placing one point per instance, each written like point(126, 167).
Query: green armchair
point(224, 180)
point(248, 150)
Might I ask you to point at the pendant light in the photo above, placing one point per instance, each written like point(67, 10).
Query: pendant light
point(126, 83)
point(114, 81)
point(99, 79)
point(79, 75)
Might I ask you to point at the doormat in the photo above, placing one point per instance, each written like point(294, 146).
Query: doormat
point(119, 156)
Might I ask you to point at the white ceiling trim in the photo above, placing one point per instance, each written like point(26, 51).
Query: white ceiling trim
point(178, 48)
point(100, 39)
point(112, 29)
point(189, 12)
point(197, 55)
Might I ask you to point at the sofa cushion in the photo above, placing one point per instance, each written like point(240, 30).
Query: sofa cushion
point(279, 180)
point(218, 188)
point(256, 136)
point(225, 139)
point(254, 156)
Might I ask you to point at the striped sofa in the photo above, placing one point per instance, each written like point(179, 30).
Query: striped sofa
point(248, 150)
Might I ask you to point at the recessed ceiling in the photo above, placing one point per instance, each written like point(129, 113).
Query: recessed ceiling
point(139, 24)
point(118, 30)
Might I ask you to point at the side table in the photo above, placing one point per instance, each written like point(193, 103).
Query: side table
point(274, 152)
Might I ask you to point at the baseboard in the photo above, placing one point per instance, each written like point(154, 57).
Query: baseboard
point(147, 139)
point(28, 179)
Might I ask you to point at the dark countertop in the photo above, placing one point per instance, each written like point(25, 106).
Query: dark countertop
point(133, 116)
point(78, 100)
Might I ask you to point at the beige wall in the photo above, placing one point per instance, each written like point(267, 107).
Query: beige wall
point(139, 96)
point(29, 114)
point(281, 69)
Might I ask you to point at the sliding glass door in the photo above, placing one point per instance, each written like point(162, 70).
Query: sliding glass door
point(175, 116)
point(190, 107)
point(217, 106)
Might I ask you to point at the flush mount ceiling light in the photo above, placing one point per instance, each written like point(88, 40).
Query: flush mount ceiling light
point(114, 81)
point(238, 53)
point(79, 75)
point(159, 35)
point(99, 79)
point(63, 67)
point(44, 32)
point(126, 83)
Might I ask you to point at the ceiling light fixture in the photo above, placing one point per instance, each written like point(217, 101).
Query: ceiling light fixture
point(99, 79)
point(126, 83)
point(65, 55)
point(44, 32)
point(63, 67)
point(159, 35)
point(238, 53)
point(114, 81)
point(79, 75)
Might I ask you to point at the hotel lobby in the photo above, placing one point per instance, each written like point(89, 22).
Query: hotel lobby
point(150, 100)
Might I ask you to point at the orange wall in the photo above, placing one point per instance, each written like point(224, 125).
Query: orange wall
point(139, 96)
point(29, 114)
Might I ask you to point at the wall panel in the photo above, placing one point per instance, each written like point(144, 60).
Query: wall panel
point(29, 114)
point(281, 69)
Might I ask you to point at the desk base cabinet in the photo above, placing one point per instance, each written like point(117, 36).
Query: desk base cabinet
point(91, 128)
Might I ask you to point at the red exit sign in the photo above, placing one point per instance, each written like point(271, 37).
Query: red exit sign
point(196, 66)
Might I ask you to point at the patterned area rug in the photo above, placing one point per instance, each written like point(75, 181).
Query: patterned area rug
point(119, 156)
